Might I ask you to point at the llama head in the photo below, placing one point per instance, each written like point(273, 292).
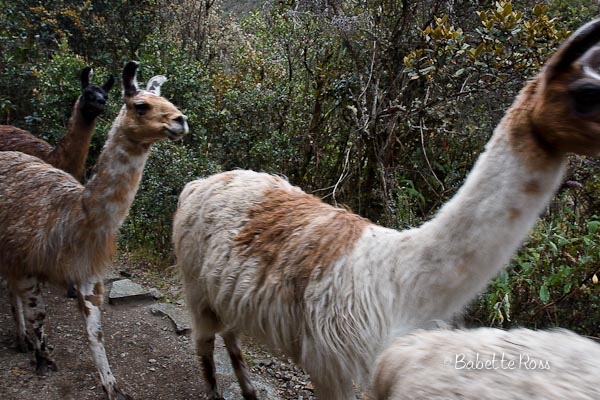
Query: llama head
point(92, 101)
point(148, 116)
point(565, 104)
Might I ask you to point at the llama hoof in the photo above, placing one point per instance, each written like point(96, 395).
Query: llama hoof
point(72, 292)
point(44, 365)
point(117, 394)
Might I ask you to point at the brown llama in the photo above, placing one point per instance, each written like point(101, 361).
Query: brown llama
point(71, 151)
point(53, 229)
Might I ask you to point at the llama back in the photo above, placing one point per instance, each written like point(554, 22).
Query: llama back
point(210, 213)
point(488, 363)
point(16, 139)
point(259, 253)
point(30, 236)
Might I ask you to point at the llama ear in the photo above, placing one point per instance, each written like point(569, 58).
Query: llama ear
point(109, 83)
point(130, 87)
point(155, 83)
point(86, 77)
point(573, 48)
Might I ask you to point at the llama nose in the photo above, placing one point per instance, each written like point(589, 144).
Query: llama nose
point(101, 100)
point(182, 125)
point(181, 119)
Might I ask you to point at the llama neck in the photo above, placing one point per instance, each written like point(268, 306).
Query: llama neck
point(475, 234)
point(71, 151)
point(110, 192)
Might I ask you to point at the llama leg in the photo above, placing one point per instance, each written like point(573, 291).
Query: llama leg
point(72, 292)
point(205, 325)
point(205, 346)
point(239, 366)
point(90, 300)
point(30, 294)
point(16, 305)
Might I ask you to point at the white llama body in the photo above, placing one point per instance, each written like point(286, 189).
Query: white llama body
point(488, 363)
point(261, 257)
point(390, 283)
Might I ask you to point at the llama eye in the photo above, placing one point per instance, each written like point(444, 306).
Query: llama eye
point(141, 108)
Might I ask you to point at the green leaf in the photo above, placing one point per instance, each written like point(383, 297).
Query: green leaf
point(567, 287)
point(544, 294)
point(593, 227)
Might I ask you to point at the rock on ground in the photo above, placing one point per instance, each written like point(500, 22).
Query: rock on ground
point(127, 291)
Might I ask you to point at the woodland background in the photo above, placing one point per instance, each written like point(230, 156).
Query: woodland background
point(381, 106)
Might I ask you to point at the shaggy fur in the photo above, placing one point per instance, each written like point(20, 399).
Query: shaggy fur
point(488, 364)
point(329, 289)
point(71, 151)
point(54, 229)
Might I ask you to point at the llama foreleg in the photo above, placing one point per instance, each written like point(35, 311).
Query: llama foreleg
point(30, 295)
point(205, 347)
point(23, 343)
point(90, 300)
point(239, 366)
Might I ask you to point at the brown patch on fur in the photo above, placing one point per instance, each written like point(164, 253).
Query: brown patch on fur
point(98, 289)
point(513, 214)
point(82, 306)
point(297, 237)
point(382, 384)
point(96, 297)
point(226, 177)
point(543, 124)
point(523, 138)
point(532, 188)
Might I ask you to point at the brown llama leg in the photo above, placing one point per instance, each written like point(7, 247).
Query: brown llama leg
point(90, 300)
point(30, 294)
point(239, 366)
point(205, 347)
point(23, 343)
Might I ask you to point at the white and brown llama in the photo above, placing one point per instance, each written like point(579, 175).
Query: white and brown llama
point(53, 229)
point(71, 151)
point(489, 364)
point(330, 289)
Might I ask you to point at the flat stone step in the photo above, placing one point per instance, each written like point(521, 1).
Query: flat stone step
point(111, 276)
point(179, 316)
point(125, 291)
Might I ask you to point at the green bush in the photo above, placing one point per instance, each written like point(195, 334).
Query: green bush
point(550, 281)
point(170, 166)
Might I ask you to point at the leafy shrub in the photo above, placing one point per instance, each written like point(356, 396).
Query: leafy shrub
point(148, 228)
point(550, 281)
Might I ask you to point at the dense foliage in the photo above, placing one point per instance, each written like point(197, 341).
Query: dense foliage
point(382, 106)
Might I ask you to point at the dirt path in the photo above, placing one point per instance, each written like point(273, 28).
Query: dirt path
point(149, 360)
